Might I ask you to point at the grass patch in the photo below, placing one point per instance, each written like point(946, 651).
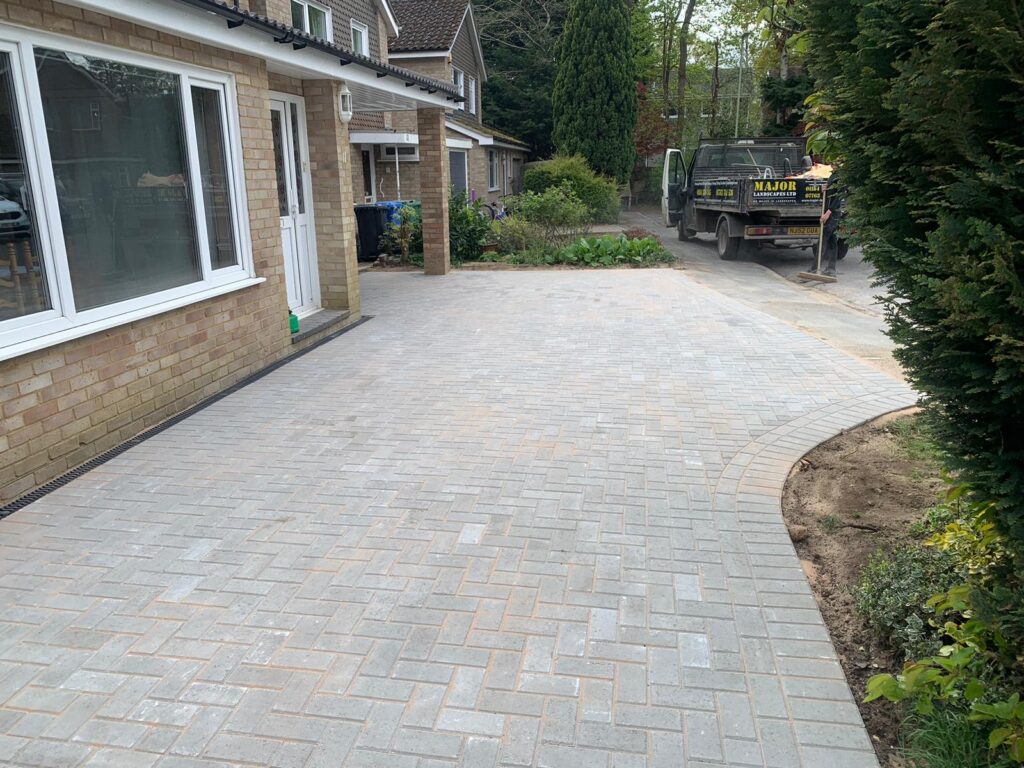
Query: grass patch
point(947, 739)
point(831, 523)
point(913, 442)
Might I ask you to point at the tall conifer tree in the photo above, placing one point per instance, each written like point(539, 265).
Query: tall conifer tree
point(595, 98)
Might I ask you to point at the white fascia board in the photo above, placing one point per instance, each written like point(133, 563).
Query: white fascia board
point(389, 15)
point(476, 40)
point(419, 55)
point(383, 137)
point(210, 29)
point(401, 139)
point(482, 138)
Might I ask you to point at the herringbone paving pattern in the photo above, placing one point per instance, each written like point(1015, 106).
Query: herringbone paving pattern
point(518, 519)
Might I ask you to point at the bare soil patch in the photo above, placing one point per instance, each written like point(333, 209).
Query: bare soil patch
point(855, 494)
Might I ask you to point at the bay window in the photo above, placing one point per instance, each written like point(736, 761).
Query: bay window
point(120, 189)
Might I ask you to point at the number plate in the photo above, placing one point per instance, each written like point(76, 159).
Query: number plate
point(810, 231)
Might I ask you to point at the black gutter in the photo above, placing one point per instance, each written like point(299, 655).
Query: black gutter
point(237, 17)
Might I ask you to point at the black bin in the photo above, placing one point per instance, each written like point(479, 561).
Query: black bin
point(371, 224)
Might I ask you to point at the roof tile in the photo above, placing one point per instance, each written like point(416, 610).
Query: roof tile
point(427, 25)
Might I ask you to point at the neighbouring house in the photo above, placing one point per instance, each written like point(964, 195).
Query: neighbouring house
point(175, 181)
point(439, 39)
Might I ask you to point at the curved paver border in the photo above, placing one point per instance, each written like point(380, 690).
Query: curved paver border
point(818, 711)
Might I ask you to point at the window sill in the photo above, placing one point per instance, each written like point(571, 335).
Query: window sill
point(78, 331)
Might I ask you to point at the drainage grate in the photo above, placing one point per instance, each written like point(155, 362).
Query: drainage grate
point(59, 482)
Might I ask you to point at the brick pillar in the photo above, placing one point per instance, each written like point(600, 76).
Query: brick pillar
point(333, 206)
point(434, 185)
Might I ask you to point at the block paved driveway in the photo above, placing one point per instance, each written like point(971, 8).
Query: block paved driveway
point(517, 519)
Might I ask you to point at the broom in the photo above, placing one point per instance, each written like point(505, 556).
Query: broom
point(816, 274)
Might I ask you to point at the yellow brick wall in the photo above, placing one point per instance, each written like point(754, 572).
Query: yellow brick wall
point(65, 404)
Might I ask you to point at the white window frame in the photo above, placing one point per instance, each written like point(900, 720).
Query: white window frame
point(472, 96)
point(64, 321)
point(493, 171)
point(306, 5)
point(387, 153)
point(364, 30)
point(459, 80)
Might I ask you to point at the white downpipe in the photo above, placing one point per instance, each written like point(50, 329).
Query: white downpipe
point(398, 177)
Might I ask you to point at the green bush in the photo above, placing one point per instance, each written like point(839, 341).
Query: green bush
point(403, 237)
point(557, 214)
point(597, 252)
point(978, 669)
point(893, 592)
point(467, 229)
point(599, 194)
point(515, 234)
point(924, 106)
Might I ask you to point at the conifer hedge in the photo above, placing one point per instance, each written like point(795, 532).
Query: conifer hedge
point(925, 102)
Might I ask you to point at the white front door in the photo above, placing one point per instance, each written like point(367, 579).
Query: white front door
point(295, 203)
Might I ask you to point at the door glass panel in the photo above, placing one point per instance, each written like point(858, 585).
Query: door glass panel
point(22, 283)
point(280, 161)
point(117, 142)
point(213, 166)
point(367, 174)
point(297, 157)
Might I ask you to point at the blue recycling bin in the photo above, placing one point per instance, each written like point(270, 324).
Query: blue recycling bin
point(393, 207)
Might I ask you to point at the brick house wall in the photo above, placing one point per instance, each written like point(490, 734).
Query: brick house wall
point(363, 11)
point(64, 404)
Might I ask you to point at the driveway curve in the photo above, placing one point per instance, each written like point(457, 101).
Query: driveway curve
point(517, 519)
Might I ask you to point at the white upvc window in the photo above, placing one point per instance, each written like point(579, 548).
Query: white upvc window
point(313, 19)
point(360, 38)
point(471, 96)
point(492, 171)
point(121, 189)
point(459, 79)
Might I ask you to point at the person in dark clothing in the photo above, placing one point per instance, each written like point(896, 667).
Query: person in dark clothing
point(830, 221)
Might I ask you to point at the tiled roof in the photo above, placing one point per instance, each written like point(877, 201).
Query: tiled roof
point(287, 34)
point(427, 25)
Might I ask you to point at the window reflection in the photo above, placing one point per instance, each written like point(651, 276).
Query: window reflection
point(117, 142)
point(213, 167)
point(22, 284)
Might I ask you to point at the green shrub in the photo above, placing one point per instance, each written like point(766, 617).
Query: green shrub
point(599, 252)
point(516, 234)
point(893, 591)
point(599, 194)
point(924, 105)
point(556, 213)
point(979, 668)
point(615, 252)
point(467, 229)
point(403, 237)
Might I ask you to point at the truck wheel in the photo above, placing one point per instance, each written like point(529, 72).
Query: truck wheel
point(685, 233)
point(844, 248)
point(728, 247)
